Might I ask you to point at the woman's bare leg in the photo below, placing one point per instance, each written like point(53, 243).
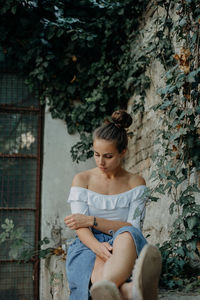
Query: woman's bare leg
point(119, 266)
point(98, 270)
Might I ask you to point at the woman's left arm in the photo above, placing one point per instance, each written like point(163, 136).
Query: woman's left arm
point(76, 221)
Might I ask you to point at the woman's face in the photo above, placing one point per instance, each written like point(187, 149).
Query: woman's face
point(106, 155)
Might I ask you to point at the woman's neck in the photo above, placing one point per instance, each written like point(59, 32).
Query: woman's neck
point(114, 173)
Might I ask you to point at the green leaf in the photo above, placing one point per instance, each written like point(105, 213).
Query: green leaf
point(153, 174)
point(8, 225)
point(183, 22)
point(13, 10)
point(44, 253)
point(182, 115)
point(60, 32)
point(160, 189)
point(180, 251)
point(194, 37)
point(166, 104)
point(19, 233)
point(192, 221)
point(46, 240)
point(153, 198)
point(13, 253)
point(51, 33)
point(191, 77)
point(193, 245)
point(171, 208)
point(3, 237)
point(189, 234)
point(40, 76)
point(168, 185)
point(83, 157)
point(191, 188)
point(137, 213)
point(197, 109)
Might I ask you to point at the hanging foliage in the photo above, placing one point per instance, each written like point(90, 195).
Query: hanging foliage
point(77, 52)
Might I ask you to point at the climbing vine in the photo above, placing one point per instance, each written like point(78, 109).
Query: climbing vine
point(177, 158)
point(78, 53)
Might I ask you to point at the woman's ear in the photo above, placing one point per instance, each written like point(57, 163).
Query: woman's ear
point(123, 152)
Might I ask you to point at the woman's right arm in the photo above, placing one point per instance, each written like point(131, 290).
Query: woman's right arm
point(84, 233)
point(100, 249)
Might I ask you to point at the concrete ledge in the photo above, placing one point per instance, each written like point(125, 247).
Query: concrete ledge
point(169, 295)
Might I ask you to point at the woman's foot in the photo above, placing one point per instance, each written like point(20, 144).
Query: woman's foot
point(104, 290)
point(146, 274)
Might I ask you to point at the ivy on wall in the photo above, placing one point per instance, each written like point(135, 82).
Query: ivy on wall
point(78, 53)
point(177, 160)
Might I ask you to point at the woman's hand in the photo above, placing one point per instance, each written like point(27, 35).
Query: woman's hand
point(103, 250)
point(76, 221)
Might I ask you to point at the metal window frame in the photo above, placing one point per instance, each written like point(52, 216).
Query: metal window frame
point(40, 112)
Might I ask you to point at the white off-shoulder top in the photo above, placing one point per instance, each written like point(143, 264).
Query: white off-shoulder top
point(127, 207)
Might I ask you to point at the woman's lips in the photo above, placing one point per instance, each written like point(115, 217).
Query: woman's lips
point(102, 168)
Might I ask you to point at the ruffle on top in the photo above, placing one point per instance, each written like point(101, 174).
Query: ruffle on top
point(107, 202)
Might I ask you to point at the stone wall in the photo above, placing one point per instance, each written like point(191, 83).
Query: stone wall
point(158, 221)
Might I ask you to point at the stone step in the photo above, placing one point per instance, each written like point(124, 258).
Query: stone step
point(169, 295)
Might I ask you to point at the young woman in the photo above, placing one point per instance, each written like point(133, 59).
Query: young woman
point(108, 209)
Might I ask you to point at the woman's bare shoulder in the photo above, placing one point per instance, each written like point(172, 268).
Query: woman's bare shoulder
point(81, 179)
point(136, 180)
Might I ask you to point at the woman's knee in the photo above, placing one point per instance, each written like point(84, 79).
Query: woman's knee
point(124, 242)
point(124, 236)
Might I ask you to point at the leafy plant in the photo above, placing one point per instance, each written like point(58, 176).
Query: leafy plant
point(19, 248)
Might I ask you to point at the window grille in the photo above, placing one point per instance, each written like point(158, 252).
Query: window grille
point(20, 163)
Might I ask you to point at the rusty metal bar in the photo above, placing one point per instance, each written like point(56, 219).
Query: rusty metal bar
point(8, 261)
point(12, 261)
point(38, 196)
point(21, 109)
point(16, 155)
point(17, 208)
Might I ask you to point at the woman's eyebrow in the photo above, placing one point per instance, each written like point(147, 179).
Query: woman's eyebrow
point(104, 153)
point(107, 154)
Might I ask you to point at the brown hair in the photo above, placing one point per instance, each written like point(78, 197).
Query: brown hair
point(115, 130)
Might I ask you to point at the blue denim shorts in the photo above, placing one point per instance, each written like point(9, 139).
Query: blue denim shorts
point(81, 259)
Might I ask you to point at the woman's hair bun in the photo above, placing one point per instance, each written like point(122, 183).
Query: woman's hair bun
point(122, 119)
